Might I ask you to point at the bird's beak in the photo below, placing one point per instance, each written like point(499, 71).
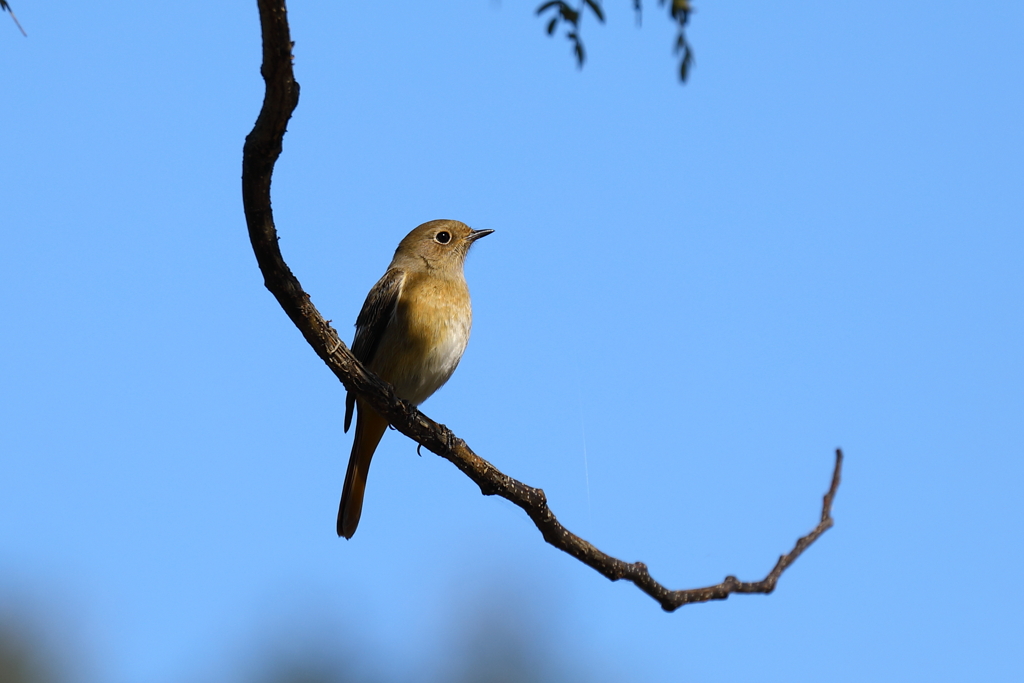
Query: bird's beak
point(474, 235)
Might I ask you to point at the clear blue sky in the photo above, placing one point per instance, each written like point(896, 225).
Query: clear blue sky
point(693, 295)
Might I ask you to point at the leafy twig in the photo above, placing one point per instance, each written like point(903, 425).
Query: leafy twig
point(679, 11)
point(562, 12)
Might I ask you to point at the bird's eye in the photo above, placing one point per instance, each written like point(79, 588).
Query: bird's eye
point(443, 237)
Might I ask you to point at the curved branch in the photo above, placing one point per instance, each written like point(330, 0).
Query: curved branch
point(262, 148)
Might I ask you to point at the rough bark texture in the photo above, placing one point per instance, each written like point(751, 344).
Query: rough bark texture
point(262, 148)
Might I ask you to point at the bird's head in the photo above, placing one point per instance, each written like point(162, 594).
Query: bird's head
point(437, 245)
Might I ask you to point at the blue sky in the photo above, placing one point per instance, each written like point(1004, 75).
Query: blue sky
point(693, 295)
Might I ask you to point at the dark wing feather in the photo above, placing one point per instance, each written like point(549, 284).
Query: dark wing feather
point(378, 309)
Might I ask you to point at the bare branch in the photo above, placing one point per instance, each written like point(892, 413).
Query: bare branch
point(262, 148)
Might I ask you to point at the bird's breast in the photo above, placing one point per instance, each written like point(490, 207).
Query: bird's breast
point(427, 336)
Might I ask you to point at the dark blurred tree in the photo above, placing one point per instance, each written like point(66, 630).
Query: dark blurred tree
point(315, 669)
point(500, 648)
point(22, 659)
point(491, 645)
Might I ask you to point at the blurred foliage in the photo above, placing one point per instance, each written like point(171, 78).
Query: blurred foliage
point(314, 669)
point(560, 13)
point(497, 650)
point(503, 638)
point(22, 657)
point(485, 646)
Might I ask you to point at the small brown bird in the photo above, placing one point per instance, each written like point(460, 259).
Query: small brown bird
point(411, 332)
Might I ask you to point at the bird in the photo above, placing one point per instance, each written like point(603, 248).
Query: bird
point(411, 332)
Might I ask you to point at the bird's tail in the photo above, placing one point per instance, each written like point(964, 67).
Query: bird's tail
point(370, 427)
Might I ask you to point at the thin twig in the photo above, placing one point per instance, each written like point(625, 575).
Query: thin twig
point(5, 6)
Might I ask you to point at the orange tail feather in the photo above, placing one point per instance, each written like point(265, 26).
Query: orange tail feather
point(370, 427)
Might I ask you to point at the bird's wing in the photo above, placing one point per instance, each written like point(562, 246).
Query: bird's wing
point(378, 309)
